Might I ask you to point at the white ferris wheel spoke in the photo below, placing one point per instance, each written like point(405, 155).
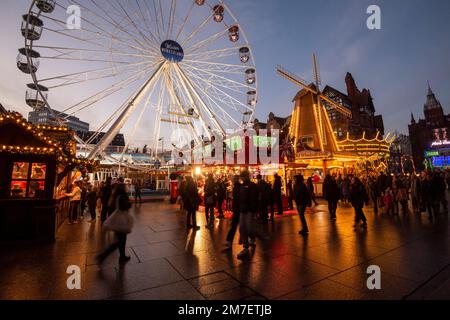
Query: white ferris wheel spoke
point(120, 121)
point(117, 26)
point(106, 92)
point(206, 41)
point(86, 73)
point(218, 90)
point(212, 54)
point(197, 30)
point(232, 84)
point(213, 102)
point(146, 22)
point(185, 20)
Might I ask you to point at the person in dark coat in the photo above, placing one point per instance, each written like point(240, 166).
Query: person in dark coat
point(262, 198)
point(92, 201)
point(191, 201)
point(278, 198)
point(119, 196)
point(221, 195)
point(358, 197)
point(427, 195)
point(210, 200)
point(270, 201)
point(248, 207)
point(105, 194)
point(303, 200)
point(331, 194)
point(290, 194)
point(235, 209)
point(375, 193)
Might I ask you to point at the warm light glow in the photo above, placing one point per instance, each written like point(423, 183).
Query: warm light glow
point(198, 171)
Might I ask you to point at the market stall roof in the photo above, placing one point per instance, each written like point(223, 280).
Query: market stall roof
point(18, 136)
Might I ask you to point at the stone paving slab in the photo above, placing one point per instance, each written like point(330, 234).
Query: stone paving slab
point(170, 262)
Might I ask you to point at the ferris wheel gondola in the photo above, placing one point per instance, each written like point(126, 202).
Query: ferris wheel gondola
point(141, 63)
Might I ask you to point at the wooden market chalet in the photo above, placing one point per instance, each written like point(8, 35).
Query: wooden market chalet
point(38, 166)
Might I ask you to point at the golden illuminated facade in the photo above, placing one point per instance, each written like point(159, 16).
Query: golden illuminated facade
point(312, 135)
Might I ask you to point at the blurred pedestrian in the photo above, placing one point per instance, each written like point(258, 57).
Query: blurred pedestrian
point(331, 194)
point(303, 200)
point(92, 201)
point(248, 206)
point(358, 198)
point(105, 194)
point(235, 211)
point(210, 201)
point(120, 222)
point(191, 202)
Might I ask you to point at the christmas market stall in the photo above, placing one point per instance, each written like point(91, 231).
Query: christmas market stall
point(38, 167)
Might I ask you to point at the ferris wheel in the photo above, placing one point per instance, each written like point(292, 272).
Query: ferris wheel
point(152, 65)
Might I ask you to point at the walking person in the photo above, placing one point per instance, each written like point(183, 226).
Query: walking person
point(290, 194)
point(235, 210)
point(270, 201)
point(415, 193)
point(137, 192)
point(105, 194)
point(262, 199)
point(248, 206)
point(210, 201)
point(303, 200)
point(278, 198)
point(120, 222)
point(92, 202)
point(331, 194)
point(83, 200)
point(402, 195)
point(358, 197)
point(345, 190)
point(75, 198)
point(221, 195)
point(375, 193)
point(310, 186)
point(191, 201)
point(427, 196)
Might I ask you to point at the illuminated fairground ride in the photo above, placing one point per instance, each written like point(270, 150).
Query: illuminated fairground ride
point(166, 65)
point(313, 141)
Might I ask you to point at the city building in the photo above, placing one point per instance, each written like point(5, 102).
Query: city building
point(360, 103)
point(400, 154)
point(117, 145)
point(429, 137)
point(2, 109)
point(46, 117)
point(274, 122)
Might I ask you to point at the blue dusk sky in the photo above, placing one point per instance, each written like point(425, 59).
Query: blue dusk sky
point(395, 62)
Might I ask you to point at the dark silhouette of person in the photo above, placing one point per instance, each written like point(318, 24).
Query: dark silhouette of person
point(303, 200)
point(278, 199)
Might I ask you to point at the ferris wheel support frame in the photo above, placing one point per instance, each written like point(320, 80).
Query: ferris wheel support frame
point(199, 98)
point(177, 99)
point(120, 121)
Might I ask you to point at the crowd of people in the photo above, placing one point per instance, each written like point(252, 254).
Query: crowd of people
point(255, 201)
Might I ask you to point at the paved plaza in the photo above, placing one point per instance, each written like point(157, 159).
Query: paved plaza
point(169, 262)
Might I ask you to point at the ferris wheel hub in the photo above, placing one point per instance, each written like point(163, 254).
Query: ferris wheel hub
point(172, 51)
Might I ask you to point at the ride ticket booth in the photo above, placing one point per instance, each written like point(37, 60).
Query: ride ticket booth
point(37, 164)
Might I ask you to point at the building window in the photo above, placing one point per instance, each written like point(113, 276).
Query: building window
point(28, 180)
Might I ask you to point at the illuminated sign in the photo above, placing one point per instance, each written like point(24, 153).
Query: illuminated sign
point(431, 153)
point(172, 51)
